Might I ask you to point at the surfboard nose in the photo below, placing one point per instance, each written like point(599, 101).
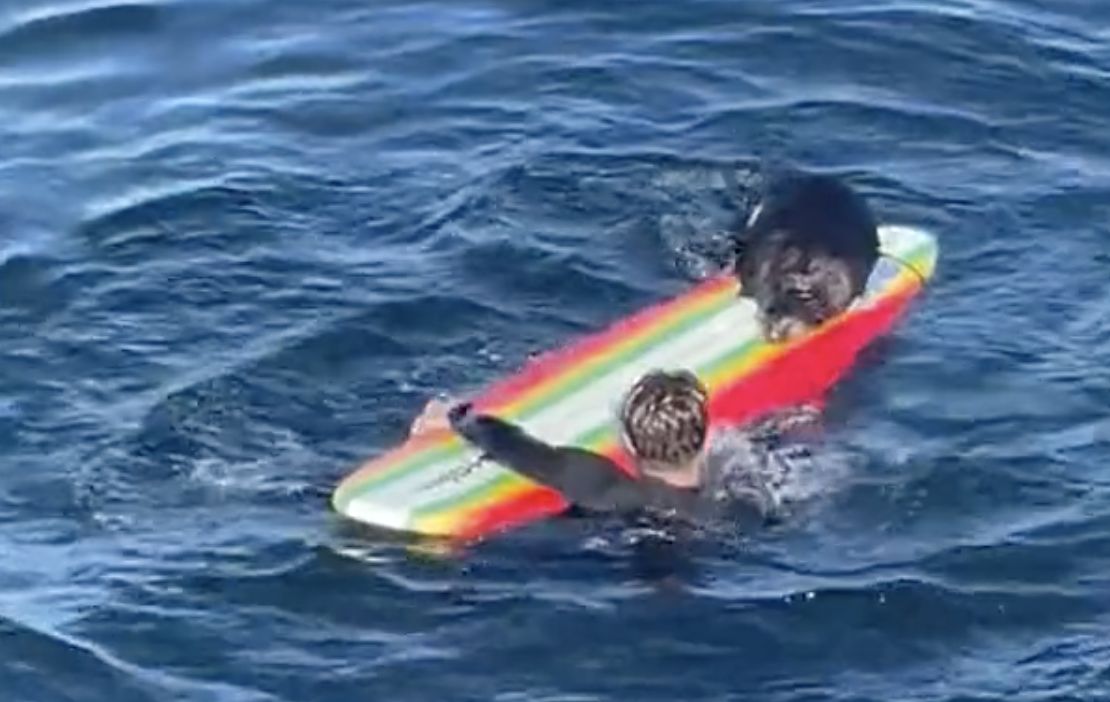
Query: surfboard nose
point(912, 246)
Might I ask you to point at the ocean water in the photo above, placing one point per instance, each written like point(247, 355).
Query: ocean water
point(241, 241)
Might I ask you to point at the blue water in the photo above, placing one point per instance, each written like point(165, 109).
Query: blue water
point(241, 241)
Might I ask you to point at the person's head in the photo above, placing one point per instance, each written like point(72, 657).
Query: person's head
point(664, 421)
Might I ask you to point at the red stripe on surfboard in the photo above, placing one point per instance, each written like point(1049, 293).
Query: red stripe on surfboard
point(802, 374)
point(805, 373)
point(553, 363)
point(533, 504)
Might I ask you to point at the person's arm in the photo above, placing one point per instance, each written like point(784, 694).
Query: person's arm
point(585, 479)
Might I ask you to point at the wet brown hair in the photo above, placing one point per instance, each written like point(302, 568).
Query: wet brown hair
point(665, 417)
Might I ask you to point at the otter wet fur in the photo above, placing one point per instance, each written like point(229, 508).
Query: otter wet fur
point(806, 254)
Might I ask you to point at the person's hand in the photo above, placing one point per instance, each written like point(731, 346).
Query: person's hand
point(460, 414)
point(433, 417)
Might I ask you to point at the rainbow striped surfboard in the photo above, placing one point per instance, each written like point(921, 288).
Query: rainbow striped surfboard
point(435, 484)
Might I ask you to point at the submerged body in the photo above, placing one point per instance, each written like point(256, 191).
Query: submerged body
point(738, 492)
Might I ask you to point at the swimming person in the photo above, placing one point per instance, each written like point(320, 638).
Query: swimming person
point(664, 425)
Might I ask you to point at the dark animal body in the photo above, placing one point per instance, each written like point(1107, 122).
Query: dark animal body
point(806, 253)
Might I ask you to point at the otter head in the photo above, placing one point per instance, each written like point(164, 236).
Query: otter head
point(808, 289)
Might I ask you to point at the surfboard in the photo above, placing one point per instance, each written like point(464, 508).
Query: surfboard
point(437, 485)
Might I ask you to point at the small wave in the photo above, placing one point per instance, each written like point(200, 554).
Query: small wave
point(67, 25)
point(894, 115)
point(145, 203)
point(32, 243)
point(76, 667)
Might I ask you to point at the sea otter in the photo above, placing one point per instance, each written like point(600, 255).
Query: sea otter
point(806, 253)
